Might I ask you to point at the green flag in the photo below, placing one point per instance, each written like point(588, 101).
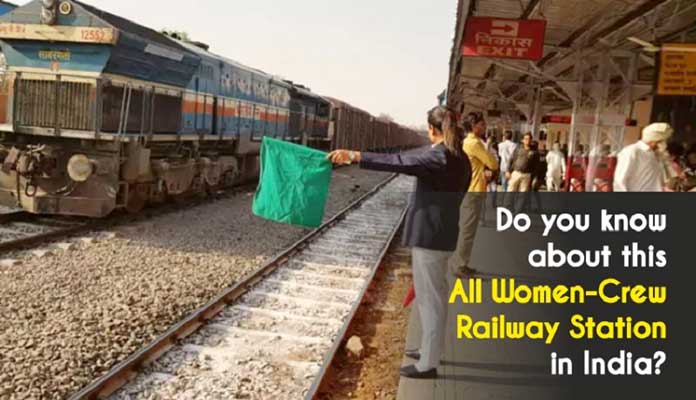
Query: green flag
point(294, 184)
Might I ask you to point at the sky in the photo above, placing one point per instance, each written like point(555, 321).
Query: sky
point(384, 56)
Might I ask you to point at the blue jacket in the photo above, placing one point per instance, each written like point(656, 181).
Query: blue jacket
point(432, 219)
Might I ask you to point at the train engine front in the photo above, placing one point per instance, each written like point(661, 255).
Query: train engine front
point(87, 101)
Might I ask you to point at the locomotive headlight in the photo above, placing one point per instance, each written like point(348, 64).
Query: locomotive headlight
point(80, 168)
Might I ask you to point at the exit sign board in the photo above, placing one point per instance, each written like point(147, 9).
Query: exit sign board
point(504, 38)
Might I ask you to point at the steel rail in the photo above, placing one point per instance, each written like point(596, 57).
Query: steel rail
point(41, 238)
point(15, 216)
point(128, 369)
point(64, 229)
point(323, 374)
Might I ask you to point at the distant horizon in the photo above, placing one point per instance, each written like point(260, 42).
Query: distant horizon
point(388, 57)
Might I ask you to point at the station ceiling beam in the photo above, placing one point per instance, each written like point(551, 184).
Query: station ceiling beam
point(638, 12)
point(628, 18)
point(672, 35)
point(606, 26)
point(530, 9)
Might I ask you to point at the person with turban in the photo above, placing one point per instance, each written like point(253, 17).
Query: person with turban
point(640, 167)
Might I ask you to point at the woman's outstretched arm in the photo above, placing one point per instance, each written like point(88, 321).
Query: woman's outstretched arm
point(420, 162)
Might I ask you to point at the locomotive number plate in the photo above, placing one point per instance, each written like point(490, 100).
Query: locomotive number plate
point(79, 34)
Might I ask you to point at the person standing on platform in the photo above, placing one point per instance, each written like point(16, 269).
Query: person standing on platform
point(471, 207)
point(580, 151)
point(640, 167)
point(523, 163)
point(579, 163)
point(539, 173)
point(675, 151)
point(505, 150)
point(443, 175)
point(492, 177)
point(556, 168)
point(538, 176)
point(690, 163)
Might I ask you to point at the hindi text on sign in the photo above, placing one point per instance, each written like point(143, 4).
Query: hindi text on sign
point(503, 38)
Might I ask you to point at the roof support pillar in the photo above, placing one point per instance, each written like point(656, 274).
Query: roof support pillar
point(627, 100)
point(604, 80)
point(537, 111)
point(578, 74)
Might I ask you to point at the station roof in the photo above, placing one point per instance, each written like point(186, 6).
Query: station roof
point(573, 27)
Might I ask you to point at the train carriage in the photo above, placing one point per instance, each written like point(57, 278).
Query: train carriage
point(99, 113)
point(351, 127)
point(309, 118)
point(381, 130)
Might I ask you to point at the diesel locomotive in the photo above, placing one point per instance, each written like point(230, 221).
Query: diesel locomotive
point(98, 113)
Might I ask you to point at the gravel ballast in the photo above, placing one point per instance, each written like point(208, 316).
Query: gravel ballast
point(71, 316)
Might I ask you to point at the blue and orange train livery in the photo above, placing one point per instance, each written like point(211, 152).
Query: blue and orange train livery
point(99, 113)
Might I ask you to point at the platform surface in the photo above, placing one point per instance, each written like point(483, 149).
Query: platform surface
point(475, 369)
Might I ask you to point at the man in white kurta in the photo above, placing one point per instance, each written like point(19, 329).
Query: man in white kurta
point(555, 168)
point(639, 167)
point(505, 150)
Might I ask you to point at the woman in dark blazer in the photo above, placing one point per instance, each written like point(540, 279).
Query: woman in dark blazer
point(431, 227)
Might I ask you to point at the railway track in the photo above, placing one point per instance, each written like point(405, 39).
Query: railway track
point(275, 332)
point(21, 230)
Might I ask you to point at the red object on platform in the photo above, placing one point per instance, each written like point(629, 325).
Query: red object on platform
point(578, 167)
point(410, 296)
point(576, 173)
point(605, 168)
point(603, 173)
point(504, 38)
